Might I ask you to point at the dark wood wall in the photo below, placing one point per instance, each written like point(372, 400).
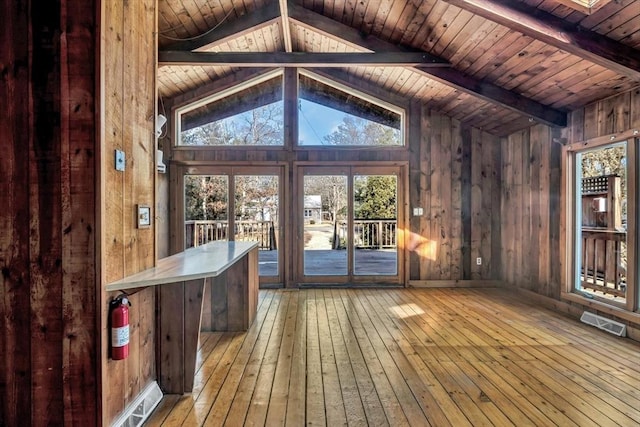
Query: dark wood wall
point(128, 66)
point(531, 161)
point(68, 219)
point(615, 114)
point(49, 350)
point(454, 175)
point(531, 206)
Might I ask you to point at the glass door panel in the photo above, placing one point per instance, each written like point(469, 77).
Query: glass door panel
point(349, 221)
point(375, 219)
point(206, 200)
point(324, 215)
point(601, 222)
point(256, 218)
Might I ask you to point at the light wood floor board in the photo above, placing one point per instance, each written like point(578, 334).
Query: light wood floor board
point(409, 357)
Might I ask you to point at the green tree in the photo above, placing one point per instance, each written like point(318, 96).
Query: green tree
point(375, 197)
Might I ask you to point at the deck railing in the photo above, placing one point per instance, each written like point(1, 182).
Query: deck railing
point(370, 233)
point(200, 232)
point(604, 259)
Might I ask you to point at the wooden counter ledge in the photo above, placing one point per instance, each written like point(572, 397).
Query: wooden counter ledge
point(208, 260)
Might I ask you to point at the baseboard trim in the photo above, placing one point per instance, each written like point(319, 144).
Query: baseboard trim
point(455, 283)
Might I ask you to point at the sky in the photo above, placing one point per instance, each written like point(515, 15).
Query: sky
point(316, 121)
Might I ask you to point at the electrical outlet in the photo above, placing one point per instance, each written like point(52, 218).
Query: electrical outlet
point(478, 261)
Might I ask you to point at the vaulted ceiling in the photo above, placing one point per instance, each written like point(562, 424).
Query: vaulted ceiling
point(497, 65)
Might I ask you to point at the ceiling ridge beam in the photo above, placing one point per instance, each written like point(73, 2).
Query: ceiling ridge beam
point(286, 27)
point(554, 31)
point(246, 23)
point(447, 76)
point(300, 59)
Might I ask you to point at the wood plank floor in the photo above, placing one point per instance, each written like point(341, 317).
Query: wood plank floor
point(417, 357)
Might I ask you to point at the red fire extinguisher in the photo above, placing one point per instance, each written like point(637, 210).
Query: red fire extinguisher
point(120, 327)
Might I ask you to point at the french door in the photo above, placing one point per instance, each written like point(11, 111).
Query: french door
point(349, 222)
point(233, 203)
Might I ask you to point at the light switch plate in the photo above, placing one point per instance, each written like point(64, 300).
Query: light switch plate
point(417, 211)
point(120, 161)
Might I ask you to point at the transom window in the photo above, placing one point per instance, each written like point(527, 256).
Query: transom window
point(249, 114)
point(252, 114)
point(329, 114)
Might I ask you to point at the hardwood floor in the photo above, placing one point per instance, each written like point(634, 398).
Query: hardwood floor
point(419, 357)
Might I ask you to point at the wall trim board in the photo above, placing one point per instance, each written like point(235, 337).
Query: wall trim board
point(455, 284)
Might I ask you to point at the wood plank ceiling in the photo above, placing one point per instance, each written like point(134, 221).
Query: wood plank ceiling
point(510, 66)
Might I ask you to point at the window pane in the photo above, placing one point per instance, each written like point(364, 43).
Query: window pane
point(330, 116)
point(252, 116)
point(206, 210)
point(601, 217)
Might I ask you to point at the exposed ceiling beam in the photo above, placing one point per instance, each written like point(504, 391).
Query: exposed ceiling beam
point(449, 76)
point(247, 23)
point(554, 31)
point(286, 28)
point(299, 59)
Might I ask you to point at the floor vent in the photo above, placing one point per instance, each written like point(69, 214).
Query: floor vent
point(140, 409)
point(603, 323)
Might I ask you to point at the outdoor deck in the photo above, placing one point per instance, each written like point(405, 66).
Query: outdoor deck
point(439, 357)
point(329, 262)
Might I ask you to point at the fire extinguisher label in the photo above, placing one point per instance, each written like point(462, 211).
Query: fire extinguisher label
point(120, 336)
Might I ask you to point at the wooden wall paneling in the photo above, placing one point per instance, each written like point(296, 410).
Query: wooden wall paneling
point(508, 194)
point(591, 117)
point(113, 255)
point(456, 202)
point(428, 252)
point(129, 117)
point(147, 333)
point(486, 182)
point(80, 347)
point(555, 212)
point(615, 111)
point(634, 115)
point(527, 256)
point(205, 321)
point(536, 207)
point(496, 218)
point(236, 300)
point(576, 125)
point(445, 195)
point(467, 211)
point(476, 204)
point(516, 219)
point(416, 193)
point(193, 301)
point(218, 297)
point(15, 351)
point(435, 175)
point(170, 357)
point(48, 284)
point(113, 250)
point(132, 87)
point(546, 186)
point(45, 245)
